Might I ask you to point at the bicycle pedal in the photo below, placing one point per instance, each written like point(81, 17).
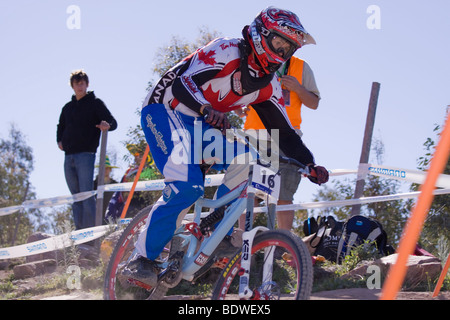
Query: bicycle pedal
point(171, 275)
point(288, 258)
point(221, 263)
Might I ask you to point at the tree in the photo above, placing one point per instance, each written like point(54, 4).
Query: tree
point(169, 55)
point(16, 165)
point(437, 224)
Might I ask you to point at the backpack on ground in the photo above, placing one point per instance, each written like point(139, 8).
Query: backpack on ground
point(323, 236)
point(360, 230)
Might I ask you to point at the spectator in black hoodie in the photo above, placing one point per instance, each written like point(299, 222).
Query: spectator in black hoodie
point(78, 134)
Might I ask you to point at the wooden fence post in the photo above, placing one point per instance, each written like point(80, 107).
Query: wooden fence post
point(370, 122)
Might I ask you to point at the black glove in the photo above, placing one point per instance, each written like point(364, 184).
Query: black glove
point(318, 174)
point(216, 118)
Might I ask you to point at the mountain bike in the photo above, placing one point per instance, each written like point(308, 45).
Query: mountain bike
point(272, 264)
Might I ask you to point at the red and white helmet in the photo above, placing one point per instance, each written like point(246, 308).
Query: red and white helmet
point(274, 24)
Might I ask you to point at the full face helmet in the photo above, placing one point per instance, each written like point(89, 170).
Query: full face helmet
point(275, 35)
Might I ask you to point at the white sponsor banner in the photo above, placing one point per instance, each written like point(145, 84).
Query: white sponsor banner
point(413, 176)
point(53, 243)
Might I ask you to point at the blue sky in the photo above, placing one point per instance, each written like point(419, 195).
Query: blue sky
point(408, 53)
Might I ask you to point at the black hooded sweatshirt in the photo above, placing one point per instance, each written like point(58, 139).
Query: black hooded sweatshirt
point(77, 124)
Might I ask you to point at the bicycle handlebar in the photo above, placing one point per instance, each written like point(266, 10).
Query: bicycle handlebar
point(283, 159)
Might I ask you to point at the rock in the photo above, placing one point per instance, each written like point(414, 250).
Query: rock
point(88, 252)
point(32, 269)
point(322, 272)
point(420, 269)
point(4, 264)
point(26, 270)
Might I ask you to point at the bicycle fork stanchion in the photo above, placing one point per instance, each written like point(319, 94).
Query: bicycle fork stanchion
point(265, 180)
point(269, 251)
point(247, 242)
point(271, 215)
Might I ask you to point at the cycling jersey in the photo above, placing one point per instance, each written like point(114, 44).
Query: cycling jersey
point(213, 75)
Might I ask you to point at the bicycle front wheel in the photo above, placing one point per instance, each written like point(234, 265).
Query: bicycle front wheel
point(281, 269)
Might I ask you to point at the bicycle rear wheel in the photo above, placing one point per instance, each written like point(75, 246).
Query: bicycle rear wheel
point(118, 287)
point(291, 273)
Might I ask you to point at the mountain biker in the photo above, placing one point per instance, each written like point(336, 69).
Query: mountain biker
point(192, 98)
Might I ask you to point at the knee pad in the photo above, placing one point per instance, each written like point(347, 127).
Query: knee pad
point(183, 192)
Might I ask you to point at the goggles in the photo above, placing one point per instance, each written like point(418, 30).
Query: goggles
point(281, 46)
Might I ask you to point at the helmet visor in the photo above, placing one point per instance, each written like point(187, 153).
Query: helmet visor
point(281, 46)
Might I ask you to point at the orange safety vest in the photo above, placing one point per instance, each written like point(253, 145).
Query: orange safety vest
point(293, 110)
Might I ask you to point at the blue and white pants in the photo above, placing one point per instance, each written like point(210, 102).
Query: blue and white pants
point(179, 144)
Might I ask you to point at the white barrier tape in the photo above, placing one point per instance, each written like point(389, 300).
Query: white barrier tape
point(9, 210)
point(341, 172)
point(215, 180)
point(42, 203)
point(54, 243)
point(406, 175)
point(210, 181)
point(350, 202)
point(155, 185)
point(151, 185)
point(34, 204)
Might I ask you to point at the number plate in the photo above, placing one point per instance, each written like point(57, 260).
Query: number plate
point(266, 180)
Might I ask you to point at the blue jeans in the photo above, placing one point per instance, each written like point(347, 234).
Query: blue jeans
point(79, 173)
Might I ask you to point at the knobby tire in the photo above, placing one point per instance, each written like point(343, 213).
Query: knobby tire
point(293, 271)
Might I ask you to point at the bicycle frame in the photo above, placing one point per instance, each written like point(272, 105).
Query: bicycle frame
point(244, 196)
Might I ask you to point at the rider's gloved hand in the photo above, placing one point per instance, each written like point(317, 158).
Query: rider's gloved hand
point(318, 174)
point(215, 118)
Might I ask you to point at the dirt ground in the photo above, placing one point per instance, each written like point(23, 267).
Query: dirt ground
point(342, 294)
point(367, 294)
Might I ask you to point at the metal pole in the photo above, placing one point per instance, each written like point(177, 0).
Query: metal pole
point(101, 180)
point(370, 121)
